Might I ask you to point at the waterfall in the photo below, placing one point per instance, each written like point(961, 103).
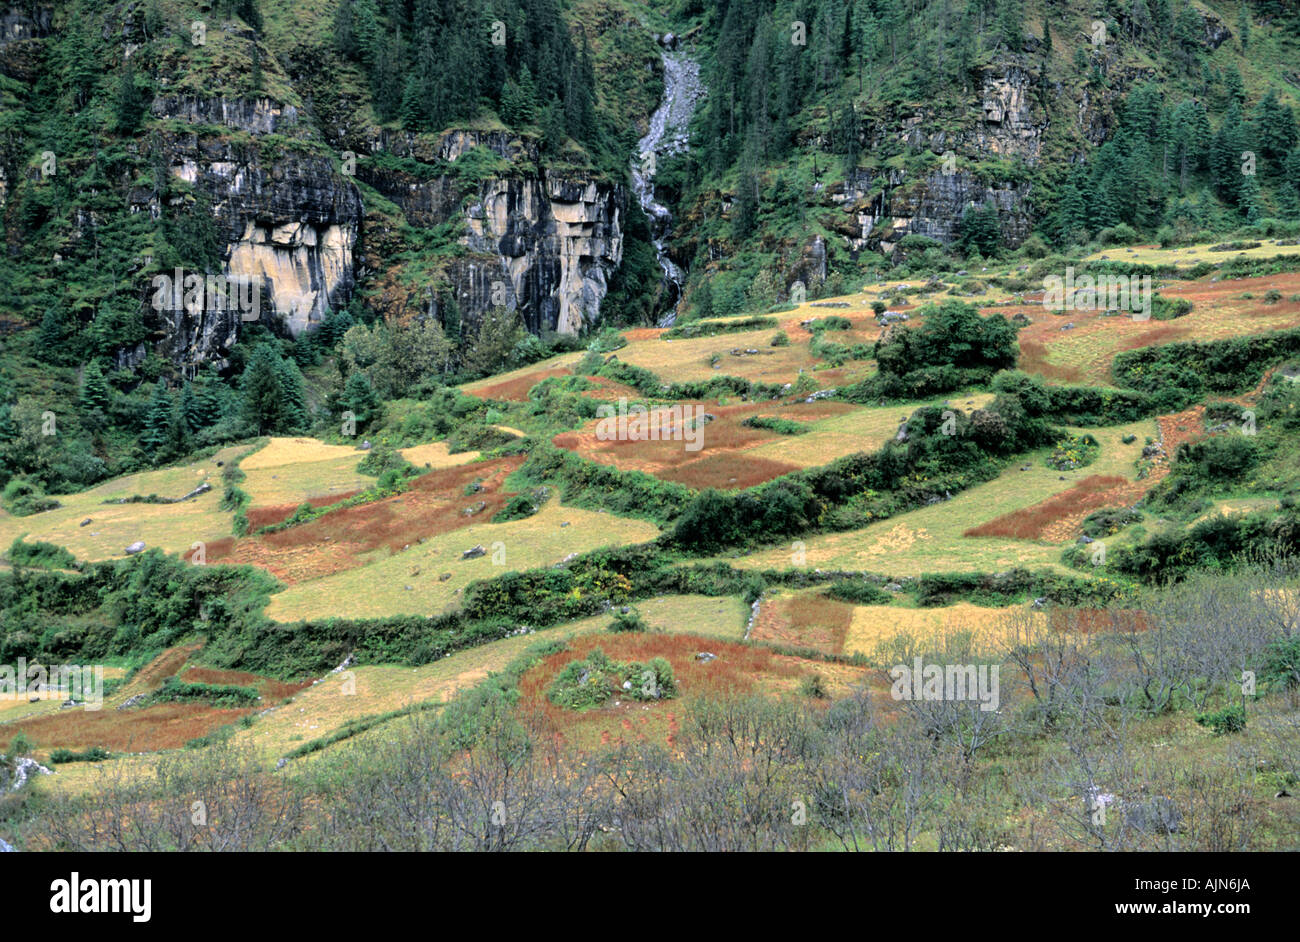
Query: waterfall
point(668, 135)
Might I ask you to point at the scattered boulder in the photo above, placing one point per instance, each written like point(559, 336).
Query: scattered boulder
point(706, 656)
point(474, 553)
point(444, 577)
point(23, 769)
point(86, 522)
point(135, 548)
point(1154, 815)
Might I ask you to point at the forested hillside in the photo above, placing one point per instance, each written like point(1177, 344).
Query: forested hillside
point(429, 191)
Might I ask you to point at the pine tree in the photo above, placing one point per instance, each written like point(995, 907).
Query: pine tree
point(744, 211)
point(1275, 129)
point(255, 78)
point(189, 409)
point(1011, 24)
point(50, 336)
point(360, 398)
point(158, 422)
point(1249, 199)
point(208, 406)
point(366, 32)
point(131, 102)
point(272, 393)
point(95, 394)
point(1288, 195)
point(294, 406)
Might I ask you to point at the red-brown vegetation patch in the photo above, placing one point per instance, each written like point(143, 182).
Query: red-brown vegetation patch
point(516, 390)
point(807, 620)
point(1058, 518)
point(434, 504)
point(1033, 359)
point(162, 726)
point(272, 514)
point(727, 472)
point(1093, 620)
point(1031, 523)
point(643, 333)
point(151, 676)
point(1219, 311)
point(736, 669)
point(268, 687)
point(720, 461)
point(605, 388)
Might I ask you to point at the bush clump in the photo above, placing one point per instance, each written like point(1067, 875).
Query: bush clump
point(591, 682)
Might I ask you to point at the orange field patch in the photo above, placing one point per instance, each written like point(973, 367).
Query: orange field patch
point(736, 669)
point(151, 676)
point(1031, 523)
point(270, 515)
point(609, 389)
point(269, 688)
point(162, 726)
point(1058, 518)
point(1092, 620)
point(1084, 352)
point(806, 620)
point(727, 472)
point(719, 462)
point(516, 390)
point(434, 504)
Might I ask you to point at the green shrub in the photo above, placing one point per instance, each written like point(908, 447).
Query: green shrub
point(44, 555)
point(814, 686)
point(713, 328)
point(93, 754)
point(859, 592)
point(585, 684)
point(829, 323)
point(1221, 722)
point(176, 690)
point(23, 497)
point(776, 424)
point(1102, 523)
point(1074, 451)
point(629, 620)
point(524, 505)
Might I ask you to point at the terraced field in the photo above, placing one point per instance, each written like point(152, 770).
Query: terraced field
point(1082, 353)
point(411, 581)
point(932, 539)
point(93, 527)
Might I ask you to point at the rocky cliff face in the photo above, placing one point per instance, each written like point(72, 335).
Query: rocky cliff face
point(1010, 123)
point(543, 243)
point(288, 219)
point(931, 206)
